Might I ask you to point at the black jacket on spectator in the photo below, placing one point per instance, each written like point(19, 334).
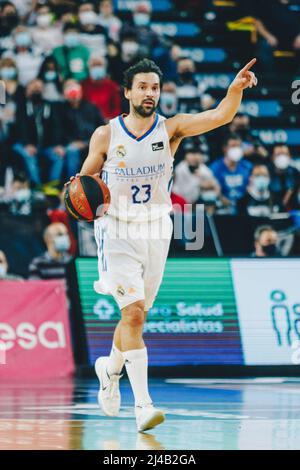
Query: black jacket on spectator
point(39, 125)
point(79, 123)
point(281, 182)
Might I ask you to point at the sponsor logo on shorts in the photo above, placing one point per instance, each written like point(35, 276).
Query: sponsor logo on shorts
point(120, 290)
point(131, 290)
point(157, 146)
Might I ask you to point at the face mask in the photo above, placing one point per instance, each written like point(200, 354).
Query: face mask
point(168, 99)
point(8, 73)
point(50, 75)
point(209, 196)
point(88, 17)
point(235, 154)
point(130, 48)
point(3, 271)
point(186, 76)
point(261, 183)
point(44, 20)
point(270, 250)
point(22, 195)
point(71, 40)
point(98, 72)
point(10, 20)
point(141, 19)
point(36, 97)
point(282, 161)
point(73, 93)
point(193, 168)
point(23, 39)
point(62, 243)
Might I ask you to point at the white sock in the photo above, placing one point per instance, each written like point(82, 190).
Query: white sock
point(116, 361)
point(136, 363)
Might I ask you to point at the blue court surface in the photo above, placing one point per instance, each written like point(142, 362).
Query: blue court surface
point(201, 414)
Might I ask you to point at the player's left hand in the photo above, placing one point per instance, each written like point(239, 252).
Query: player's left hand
point(245, 78)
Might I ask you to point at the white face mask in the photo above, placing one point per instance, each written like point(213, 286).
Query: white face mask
point(3, 270)
point(130, 48)
point(62, 243)
point(282, 161)
point(88, 17)
point(22, 195)
point(235, 154)
point(43, 20)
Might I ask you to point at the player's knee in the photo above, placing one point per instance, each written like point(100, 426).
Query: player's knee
point(134, 315)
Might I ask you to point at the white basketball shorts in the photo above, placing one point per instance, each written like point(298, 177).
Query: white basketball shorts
point(131, 258)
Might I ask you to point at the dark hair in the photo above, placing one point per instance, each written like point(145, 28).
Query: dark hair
point(143, 66)
point(262, 228)
point(70, 25)
point(232, 136)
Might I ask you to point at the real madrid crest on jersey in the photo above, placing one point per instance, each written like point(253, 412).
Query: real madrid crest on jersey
point(121, 151)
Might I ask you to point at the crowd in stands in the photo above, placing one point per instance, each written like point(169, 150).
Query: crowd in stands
point(62, 64)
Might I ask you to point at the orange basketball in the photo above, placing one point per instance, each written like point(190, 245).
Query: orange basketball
point(87, 197)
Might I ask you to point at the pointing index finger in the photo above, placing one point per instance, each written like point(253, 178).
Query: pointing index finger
point(249, 65)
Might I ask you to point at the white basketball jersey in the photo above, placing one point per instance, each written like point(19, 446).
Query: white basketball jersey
point(138, 172)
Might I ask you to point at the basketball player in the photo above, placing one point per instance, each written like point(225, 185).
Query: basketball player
point(134, 154)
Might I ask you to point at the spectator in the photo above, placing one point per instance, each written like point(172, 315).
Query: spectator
point(100, 90)
point(27, 58)
point(276, 26)
point(14, 98)
point(187, 87)
point(210, 196)
point(265, 242)
point(124, 58)
point(53, 263)
point(9, 19)
point(91, 34)
point(109, 21)
point(80, 119)
point(49, 74)
point(4, 275)
point(25, 201)
point(38, 135)
point(257, 200)
point(232, 172)
point(45, 35)
point(284, 177)
point(254, 151)
point(57, 212)
point(168, 102)
point(72, 57)
point(190, 175)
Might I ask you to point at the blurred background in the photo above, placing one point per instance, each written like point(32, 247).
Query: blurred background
point(235, 302)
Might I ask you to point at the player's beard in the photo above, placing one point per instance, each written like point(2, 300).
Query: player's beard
point(142, 111)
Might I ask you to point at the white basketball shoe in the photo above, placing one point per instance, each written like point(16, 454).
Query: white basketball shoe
point(109, 397)
point(147, 417)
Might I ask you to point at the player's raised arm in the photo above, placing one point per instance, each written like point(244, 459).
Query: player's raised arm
point(98, 147)
point(185, 125)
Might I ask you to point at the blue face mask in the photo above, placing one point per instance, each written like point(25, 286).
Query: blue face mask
point(71, 40)
point(23, 39)
point(168, 99)
point(98, 72)
point(22, 195)
point(261, 183)
point(62, 243)
point(141, 19)
point(8, 73)
point(50, 75)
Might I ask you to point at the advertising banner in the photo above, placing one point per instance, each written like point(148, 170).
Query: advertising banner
point(35, 338)
point(268, 301)
point(193, 321)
